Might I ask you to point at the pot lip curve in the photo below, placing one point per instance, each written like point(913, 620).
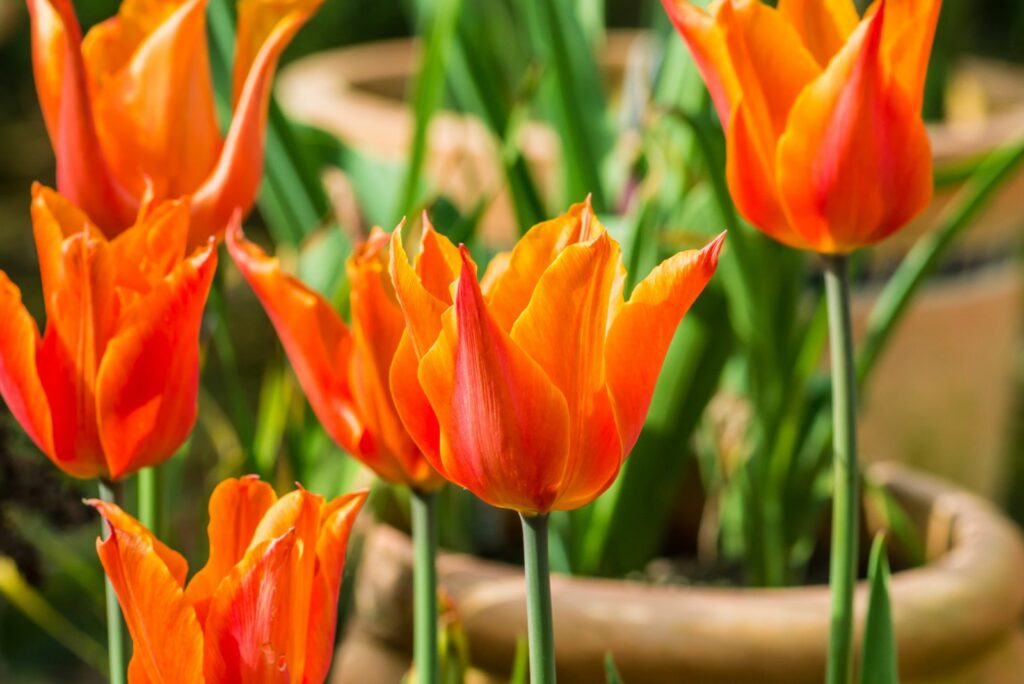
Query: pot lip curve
point(962, 600)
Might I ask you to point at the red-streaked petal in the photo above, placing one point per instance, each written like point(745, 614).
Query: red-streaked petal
point(823, 25)
point(148, 381)
point(855, 163)
point(338, 518)
point(569, 311)
point(313, 335)
point(907, 41)
point(640, 334)
point(248, 629)
point(20, 385)
point(414, 409)
point(147, 577)
point(504, 425)
point(236, 508)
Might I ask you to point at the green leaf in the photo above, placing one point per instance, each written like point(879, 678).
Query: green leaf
point(611, 672)
point(878, 656)
point(521, 663)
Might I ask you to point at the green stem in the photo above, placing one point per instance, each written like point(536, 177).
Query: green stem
point(424, 538)
point(843, 567)
point(148, 484)
point(540, 629)
point(111, 492)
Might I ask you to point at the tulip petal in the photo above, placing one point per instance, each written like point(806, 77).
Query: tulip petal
point(147, 577)
point(438, 262)
point(236, 508)
point(823, 25)
point(641, 333)
point(154, 111)
point(148, 252)
point(421, 308)
point(338, 517)
point(907, 39)
point(855, 162)
point(20, 385)
point(83, 172)
point(569, 311)
point(317, 342)
point(265, 28)
point(248, 628)
point(414, 409)
point(707, 45)
point(504, 425)
point(532, 255)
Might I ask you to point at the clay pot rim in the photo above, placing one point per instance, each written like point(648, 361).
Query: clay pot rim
point(967, 596)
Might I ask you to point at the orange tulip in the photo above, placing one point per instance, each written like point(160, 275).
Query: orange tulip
point(111, 386)
point(826, 149)
point(264, 607)
point(541, 379)
point(343, 371)
point(130, 109)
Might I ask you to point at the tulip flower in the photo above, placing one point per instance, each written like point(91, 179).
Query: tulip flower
point(130, 109)
point(541, 379)
point(826, 149)
point(111, 386)
point(263, 609)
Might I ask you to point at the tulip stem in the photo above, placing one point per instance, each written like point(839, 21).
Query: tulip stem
point(111, 493)
point(845, 498)
point(424, 537)
point(148, 484)
point(540, 628)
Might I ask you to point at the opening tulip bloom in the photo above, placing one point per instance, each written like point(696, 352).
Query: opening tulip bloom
point(826, 149)
point(343, 371)
point(130, 109)
point(540, 380)
point(111, 386)
point(263, 609)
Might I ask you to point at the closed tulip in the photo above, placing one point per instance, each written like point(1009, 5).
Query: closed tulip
point(111, 386)
point(826, 149)
point(130, 109)
point(343, 371)
point(540, 379)
point(263, 609)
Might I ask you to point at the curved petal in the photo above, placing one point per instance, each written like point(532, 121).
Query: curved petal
point(855, 163)
point(438, 262)
point(148, 381)
point(532, 255)
point(504, 425)
point(83, 172)
point(148, 252)
point(640, 334)
point(317, 342)
point(823, 25)
point(420, 307)
point(264, 30)
point(153, 95)
point(20, 385)
point(707, 46)
point(236, 508)
point(248, 628)
point(907, 41)
point(338, 517)
point(569, 311)
point(414, 410)
point(148, 577)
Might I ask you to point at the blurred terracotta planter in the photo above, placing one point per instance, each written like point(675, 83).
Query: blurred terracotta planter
point(957, 618)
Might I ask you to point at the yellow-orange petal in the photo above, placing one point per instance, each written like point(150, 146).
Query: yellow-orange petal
point(149, 251)
point(569, 311)
point(264, 30)
point(236, 508)
point(248, 628)
point(823, 25)
point(415, 412)
point(338, 518)
point(148, 381)
point(421, 309)
point(317, 342)
point(641, 333)
point(20, 385)
point(437, 263)
point(855, 163)
point(532, 255)
point(504, 425)
point(707, 46)
point(147, 577)
point(771, 64)
point(84, 174)
point(907, 41)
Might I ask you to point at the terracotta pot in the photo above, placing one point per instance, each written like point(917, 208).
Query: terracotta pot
point(957, 618)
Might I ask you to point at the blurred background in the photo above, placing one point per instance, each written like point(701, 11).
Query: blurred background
point(493, 117)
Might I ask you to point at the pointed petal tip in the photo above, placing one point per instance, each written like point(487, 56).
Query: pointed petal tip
point(714, 248)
